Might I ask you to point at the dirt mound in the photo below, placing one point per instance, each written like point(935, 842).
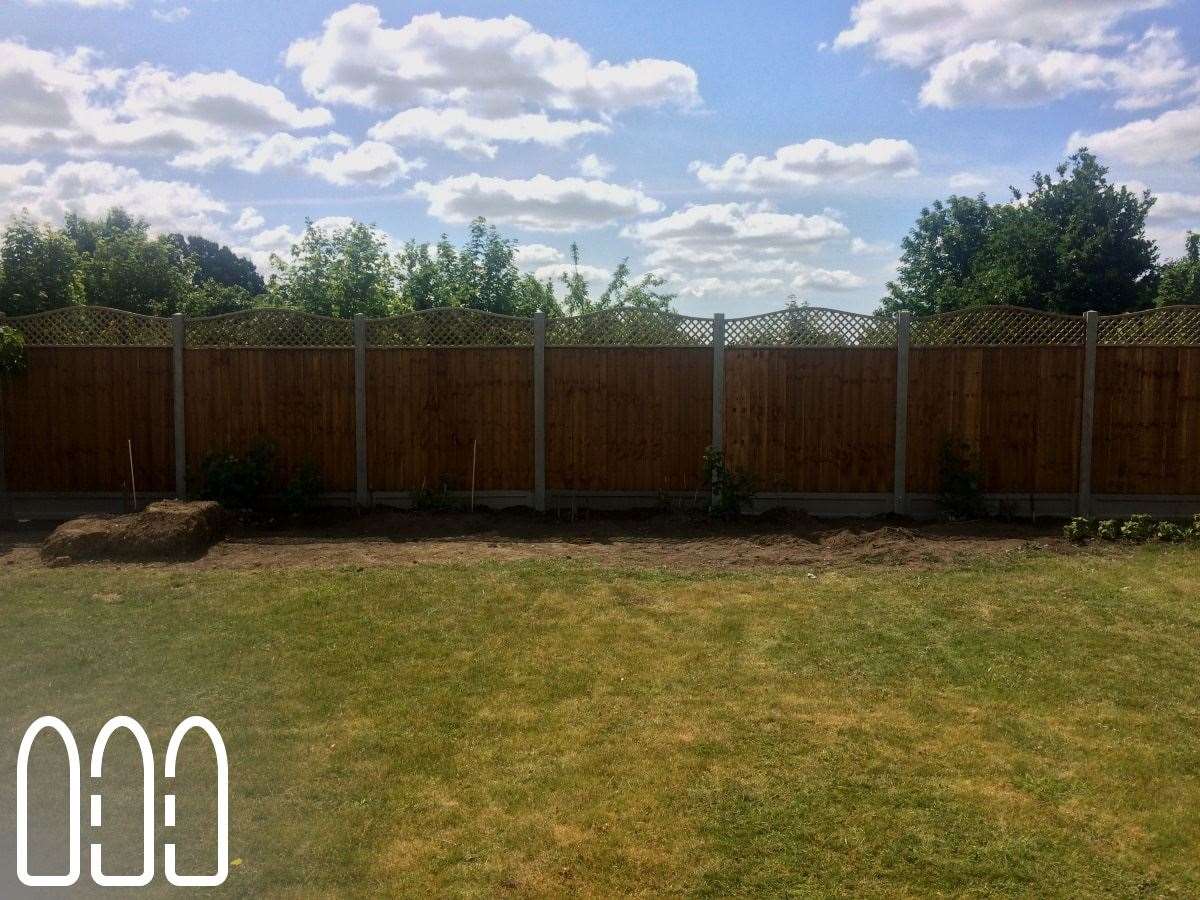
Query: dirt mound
point(167, 530)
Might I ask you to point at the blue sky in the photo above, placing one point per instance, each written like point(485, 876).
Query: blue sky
point(746, 151)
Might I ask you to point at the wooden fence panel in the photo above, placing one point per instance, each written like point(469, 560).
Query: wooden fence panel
point(301, 400)
point(1017, 408)
point(69, 418)
point(1147, 432)
point(812, 420)
point(627, 418)
point(427, 408)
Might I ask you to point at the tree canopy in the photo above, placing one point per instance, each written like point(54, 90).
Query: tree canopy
point(1179, 281)
point(1074, 242)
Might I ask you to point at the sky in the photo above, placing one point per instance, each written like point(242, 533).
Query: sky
point(747, 152)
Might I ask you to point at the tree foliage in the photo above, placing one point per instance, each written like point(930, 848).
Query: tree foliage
point(1179, 281)
point(216, 262)
point(1075, 242)
point(39, 268)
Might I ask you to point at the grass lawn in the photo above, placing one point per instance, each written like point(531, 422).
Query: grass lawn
point(1020, 727)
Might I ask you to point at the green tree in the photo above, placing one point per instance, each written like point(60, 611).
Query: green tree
point(1075, 242)
point(123, 267)
point(1179, 280)
point(645, 293)
point(939, 256)
point(338, 272)
point(39, 268)
point(577, 300)
point(218, 263)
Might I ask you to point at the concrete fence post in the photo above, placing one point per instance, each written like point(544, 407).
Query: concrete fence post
point(899, 487)
point(718, 383)
point(539, 411)
point(6, 507)
point(178, 335)
point(1087, 413)
point(362, 492)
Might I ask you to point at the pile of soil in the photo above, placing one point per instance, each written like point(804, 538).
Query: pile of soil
point(164, 531)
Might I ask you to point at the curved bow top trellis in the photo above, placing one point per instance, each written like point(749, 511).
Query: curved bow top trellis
point(462, 327)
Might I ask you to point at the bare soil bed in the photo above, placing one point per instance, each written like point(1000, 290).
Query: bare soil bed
point(670, 540)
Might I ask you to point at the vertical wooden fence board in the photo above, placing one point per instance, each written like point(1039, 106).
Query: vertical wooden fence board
point(69, 418)
point(300, 400)
point(627, 418)
point(812, 420)
point(1016, 408)
point(426, 408)
point(1147, 433)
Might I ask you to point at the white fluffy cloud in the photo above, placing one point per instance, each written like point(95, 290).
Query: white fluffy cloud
point(84, 4)
point(810, 163)
point(1173, 137)
point(1012, 53)
point(968, 181)
point(592, 166)
point(540, 203)
point(371, 162)
point(1011, 74)
point(740, 250)
point(918, 32)
point(497, 65)
point(473, 135)
point(65, 101)
point(249, 220)
point(92, 188)
point(530, 256)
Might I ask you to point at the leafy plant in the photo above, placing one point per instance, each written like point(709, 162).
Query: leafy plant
point(1138, 528)
point(12, 351)
point(1169, 533)
point(302, 490)
point(1079, 529)
point(959, 492)
point(238, 482)
point(732, 490)
point(1194, 531)
point(1109, 529)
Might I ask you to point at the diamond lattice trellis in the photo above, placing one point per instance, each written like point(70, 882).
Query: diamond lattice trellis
point(268, 328)
point(629, 327)
point(92, 326)
point(1170, 326)
point(997, 325)
point(809, 326)
point(450, 327)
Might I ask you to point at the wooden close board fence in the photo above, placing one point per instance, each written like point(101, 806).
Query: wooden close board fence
point(616, 419)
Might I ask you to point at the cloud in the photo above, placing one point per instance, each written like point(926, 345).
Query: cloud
point(916, 33)
point(83, 4)
point(592, 166)
point(472, 135)
point(53, 101)
point(740, 249)
point(249, 220)
point(968, 181)
point(498, 66)
point(1172, 137)
point(813, 162)
point(371, 162)
point(170, 16)
point(859, 247)
point(1014, 53)
point(92, 188)
point(1010, 74)
point(530, 256)
point(540, 203)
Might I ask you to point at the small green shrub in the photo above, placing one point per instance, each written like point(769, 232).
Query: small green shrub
point(1109, 530)
point(238, 482)
point(1169, 533)
point(732, 491)
point(12, 351)
point(1138, 528)
point(1194, 531)
point(1079, 529)
point(302, 490)
point(959, 491)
